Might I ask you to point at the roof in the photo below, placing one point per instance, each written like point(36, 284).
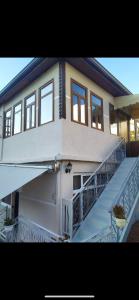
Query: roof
point(88, 66)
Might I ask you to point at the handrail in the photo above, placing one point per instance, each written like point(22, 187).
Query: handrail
point(99, 167)
point(124, 184)
point(77, 208)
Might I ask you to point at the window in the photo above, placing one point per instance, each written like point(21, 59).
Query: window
point(46, 103)
point(17, 115)
point(7, 123)
point(79, 103)
point(30, 112)
point(96, 112)
point(76, 182)
point(113, 120)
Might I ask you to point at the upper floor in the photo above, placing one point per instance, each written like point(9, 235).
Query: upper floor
point(61, 109)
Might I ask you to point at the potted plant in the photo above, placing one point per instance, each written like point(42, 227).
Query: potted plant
point(119, 214)
point(8, 224)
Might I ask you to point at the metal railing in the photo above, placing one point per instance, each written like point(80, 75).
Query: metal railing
point(27, 231)
point(75, 210)
point(126, 198)
point(3, 215)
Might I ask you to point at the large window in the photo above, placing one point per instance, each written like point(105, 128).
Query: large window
point(46, 112)
point(113, 120)
point(7, 123)
point(96, 112)
point(30, 112)
point(79, 103)
point(17, 118)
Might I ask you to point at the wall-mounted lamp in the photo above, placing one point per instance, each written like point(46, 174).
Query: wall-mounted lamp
point(56, 166)
point(68, 167)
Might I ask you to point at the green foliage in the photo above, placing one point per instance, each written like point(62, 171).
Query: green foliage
point(8, 222)
point(119, 212)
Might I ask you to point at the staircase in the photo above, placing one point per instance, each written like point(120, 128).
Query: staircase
point(99, 217)
point(88, 216)
point(76, 209)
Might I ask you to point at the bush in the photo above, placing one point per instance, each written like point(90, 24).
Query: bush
point(119, 212)
point(8, 222)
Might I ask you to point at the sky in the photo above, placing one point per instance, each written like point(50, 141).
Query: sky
point(10, 67)
point(125, 70)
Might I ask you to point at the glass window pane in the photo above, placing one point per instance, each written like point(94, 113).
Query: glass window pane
point(30, 100)
point(47, 89)
point(85, 178)
point(33, 116)
point(75, 108)
point(96, 100)
point(78, 89)
point(76, 182)
point(17, 122)
point(8, 114)
point(94, 114)
point(28, 118)
point(17, 108)
point(47, 109)
point(82, 103)
point(113, 120)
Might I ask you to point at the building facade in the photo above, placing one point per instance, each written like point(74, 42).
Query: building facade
point(67, 113)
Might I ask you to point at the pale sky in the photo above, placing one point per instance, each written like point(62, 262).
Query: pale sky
point(125, 70)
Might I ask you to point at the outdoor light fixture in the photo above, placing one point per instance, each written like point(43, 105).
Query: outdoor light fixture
point(68, 167)
point(56, 166)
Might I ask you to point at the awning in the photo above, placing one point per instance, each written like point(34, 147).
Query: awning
point(13, 177)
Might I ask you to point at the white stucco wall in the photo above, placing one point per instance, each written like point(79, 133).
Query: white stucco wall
point(43, 142)
point(83, 142)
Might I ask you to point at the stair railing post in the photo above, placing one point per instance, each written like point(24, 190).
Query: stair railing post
point(81, 206)
point(70, 219)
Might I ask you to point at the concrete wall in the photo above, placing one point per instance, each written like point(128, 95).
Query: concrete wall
point(41, 143)
point(83, 142)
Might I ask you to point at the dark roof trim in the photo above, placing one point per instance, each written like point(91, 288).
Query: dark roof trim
point(62, 96)
point(31, 72)
point(96, 72)
point(88, 66)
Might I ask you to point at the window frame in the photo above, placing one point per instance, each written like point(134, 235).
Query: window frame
point(101, 99)
point(79, 97)
point(4, 123)
point(39, 102)
point(25, 111)
point(20, 102)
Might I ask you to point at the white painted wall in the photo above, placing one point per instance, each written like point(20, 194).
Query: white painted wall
point(83, 142)
point(39, 202)
point(41, 143)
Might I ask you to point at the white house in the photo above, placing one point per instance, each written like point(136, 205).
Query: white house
point(60, 118)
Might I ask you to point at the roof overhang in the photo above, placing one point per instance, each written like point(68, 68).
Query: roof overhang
point(88, 66)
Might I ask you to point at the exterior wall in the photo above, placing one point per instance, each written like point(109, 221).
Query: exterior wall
point(40, 143)
point(39, 202)
point(81, 142)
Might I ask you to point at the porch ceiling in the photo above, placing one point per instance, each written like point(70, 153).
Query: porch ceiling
point(129, 104)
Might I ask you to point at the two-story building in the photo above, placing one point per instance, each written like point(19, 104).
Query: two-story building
point(59, 120)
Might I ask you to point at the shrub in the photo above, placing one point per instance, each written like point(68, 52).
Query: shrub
point(119, 212)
